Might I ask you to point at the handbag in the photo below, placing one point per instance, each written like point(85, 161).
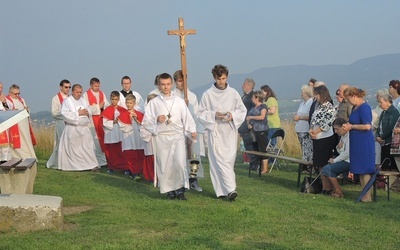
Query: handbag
point(311, 185)
point(253, 136)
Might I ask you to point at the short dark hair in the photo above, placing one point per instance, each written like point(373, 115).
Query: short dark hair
point(93, 80)
point(63, 81)
point(76, 86)
point(219, 70)
point(164, 76)
point(156, 80)
point(114, 94)
point(125, 77)
point(312, 80)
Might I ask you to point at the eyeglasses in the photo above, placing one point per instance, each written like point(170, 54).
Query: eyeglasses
point(16, 93)
point(67, 87)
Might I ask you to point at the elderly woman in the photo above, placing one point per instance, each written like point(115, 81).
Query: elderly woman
point(376, 113)
point(387, 121)
point(302, 126)
point(321, 131)
point(257, 121)
point(362, 149)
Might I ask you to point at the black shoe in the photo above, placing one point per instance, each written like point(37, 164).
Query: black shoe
point(181, 197)
point(232, 196)
point(326, 192)
point(171, 195)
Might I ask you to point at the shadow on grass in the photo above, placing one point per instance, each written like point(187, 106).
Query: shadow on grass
point(146, 188)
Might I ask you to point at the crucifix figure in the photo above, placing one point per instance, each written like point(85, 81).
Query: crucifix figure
point(182, 34)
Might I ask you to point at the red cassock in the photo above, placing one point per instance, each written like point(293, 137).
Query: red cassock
point(113, 151)
point(138, 163)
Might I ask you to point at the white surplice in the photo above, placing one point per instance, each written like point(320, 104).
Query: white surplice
point(222, 136)
point(139, 101)
point(96, 110)
point(76, 150)
point(170, 147)
point(58, 129)
point(112, 133)
point(131, 139)
point(26, 150)
point(193, 107)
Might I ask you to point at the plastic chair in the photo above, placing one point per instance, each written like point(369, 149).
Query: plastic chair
point(276, 149)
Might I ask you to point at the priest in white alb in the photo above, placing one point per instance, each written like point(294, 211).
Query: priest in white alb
point(168, 119)
point(222, 111)
point(97, 101)
point(76, 150)
point(21, 134)
point(59, 123)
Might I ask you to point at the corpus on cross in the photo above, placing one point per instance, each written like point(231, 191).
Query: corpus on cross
point(181, 32)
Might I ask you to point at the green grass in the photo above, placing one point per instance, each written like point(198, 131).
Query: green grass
point(269, 213)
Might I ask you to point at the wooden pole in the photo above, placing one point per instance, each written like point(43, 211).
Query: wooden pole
point(181, 32)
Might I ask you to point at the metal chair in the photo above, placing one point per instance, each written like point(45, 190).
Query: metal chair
point(277, 148)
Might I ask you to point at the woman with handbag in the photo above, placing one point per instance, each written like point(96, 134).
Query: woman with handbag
point(321, 130)
point(257, 121)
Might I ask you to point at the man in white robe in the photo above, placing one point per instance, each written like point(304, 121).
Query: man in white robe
point(168, 119)
point(25, 133)
point(59, 124)
point(76, 149)
point(97, 101)
point(126, 83)
point(193, 107)
point(222, 112)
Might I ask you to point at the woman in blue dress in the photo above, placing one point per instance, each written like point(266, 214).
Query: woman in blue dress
point(362, 148)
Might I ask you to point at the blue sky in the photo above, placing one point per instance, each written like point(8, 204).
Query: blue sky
point(45, 41)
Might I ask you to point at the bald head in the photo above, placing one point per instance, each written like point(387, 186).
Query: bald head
point(319, 84)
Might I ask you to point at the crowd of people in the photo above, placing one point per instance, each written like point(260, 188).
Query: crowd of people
point(158, 138)
point(351, 139)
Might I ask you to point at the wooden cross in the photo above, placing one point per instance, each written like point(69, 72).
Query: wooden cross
point(182, 34)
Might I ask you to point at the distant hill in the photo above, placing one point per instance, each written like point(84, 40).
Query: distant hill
point(371, 73)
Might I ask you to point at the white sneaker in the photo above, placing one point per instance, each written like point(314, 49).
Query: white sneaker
point(194, 185)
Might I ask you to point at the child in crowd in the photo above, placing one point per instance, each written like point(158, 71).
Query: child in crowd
point(112, 136)
point(130, 123)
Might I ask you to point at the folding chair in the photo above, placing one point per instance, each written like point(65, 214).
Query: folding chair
point(276, 149)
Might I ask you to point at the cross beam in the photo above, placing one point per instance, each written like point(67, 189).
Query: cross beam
point(182, 34)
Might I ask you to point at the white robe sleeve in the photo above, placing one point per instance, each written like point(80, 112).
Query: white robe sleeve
point(108, 124)
point(205, 114)
point(56, 108)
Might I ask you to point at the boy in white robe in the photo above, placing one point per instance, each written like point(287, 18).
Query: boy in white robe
point(222, 112)
point(169, 121)
point(193, 107)
point(113, 136)
point(76, 150)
